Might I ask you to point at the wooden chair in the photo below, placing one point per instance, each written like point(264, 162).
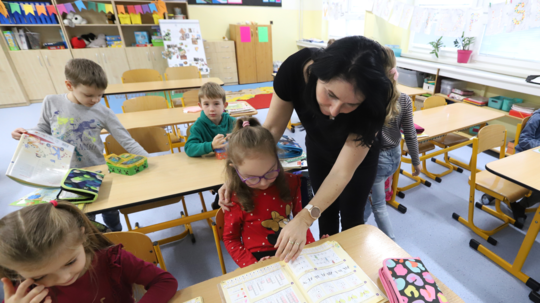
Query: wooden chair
point(502, 190)
point(423, 148)
point(141, 75)
point(217, 229)
point(152, 139)
point(145, 103)
point(182, 73)
point(519, 129)
point(444, 142)
point(141, 247)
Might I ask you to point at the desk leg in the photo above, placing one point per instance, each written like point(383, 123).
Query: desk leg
point(106, 101)
point(515, 268)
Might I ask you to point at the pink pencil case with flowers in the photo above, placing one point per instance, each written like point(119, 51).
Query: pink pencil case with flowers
point(408, 281)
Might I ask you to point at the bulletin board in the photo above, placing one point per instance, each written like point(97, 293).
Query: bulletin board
point(237, 2)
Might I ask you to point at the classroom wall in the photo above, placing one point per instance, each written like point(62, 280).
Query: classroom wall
point(383, 32)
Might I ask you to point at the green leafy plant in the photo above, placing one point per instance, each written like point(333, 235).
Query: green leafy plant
point(463, 43)
point(436, 46)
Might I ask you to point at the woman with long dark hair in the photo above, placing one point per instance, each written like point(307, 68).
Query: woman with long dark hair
point(343, 96)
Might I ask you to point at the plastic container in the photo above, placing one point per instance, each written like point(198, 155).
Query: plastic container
point(496, 102)
point(474, 130)
point(221, 153)
point(448, 84)
point(409, 77)
point(518, 100)
point(507, 104)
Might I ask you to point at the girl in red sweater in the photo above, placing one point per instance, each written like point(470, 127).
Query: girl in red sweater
point(265, 197)
point(52, 253)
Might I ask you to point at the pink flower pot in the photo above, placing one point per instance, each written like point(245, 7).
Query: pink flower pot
point(463, 56)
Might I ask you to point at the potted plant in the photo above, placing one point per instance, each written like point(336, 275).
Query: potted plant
point(463, 44)
point(436, 47)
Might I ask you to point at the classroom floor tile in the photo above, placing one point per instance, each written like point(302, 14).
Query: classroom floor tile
point(427, 230)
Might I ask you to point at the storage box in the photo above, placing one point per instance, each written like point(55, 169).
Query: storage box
point(409, 77)
point(429, 87)
point(126, 164)
point(507, 104)
point(157, 42)
point(496, 102)
point(448, 84)
point(141, 37)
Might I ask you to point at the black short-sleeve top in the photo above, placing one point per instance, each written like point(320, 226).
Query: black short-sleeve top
point(327, 136)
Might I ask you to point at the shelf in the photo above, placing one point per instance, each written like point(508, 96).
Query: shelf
point(31, 25)
point(92, 25)
point(127, 25)
point(486, 107)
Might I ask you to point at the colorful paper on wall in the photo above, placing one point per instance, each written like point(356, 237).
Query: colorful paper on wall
point(245, 34)
point(406, 16)
point(518, 13)
point(146, 9)
point(120, 9)
point(397, 12)
point(41, 10)
point(496, 17)
point(138, 9)
point(28, 9)
point(69, 8)
point(91, 6)
point(473, 22)
point(152, 7)
point(263, 33)
point(80, 5)
point(109, 8)
point(61, 9)
point(51, 10)
point(101, 7)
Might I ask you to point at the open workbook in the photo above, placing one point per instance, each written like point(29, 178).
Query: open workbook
point(321, 274)
point(40, 160)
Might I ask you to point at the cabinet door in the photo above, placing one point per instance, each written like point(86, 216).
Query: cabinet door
point(56, 61)
point(11, 93)
point(245, 55)
point(33, 74)
point(139, 57)
point(158, 62)
point(88, 53)
point(115, 63)
point(263, 51)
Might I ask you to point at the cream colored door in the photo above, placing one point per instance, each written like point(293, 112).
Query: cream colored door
point(11, 93)
point(93, 54)
point(139, 57)
point(33, 74)
point(159, 63)
point(56, 61)
point(115, 64)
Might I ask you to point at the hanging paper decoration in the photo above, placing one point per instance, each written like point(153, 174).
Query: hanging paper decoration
point(451, 23)
point(120, 9)
point(423, 19)
point(386, 9)
point(146, 9)
point(80, 5)
point(109, 8)
point(534, 18)
point(69, 8)
point(15, 7)
point(152, 7)
point(397, 12)
point(51, 10)
point(518, 13)
point(138, 9)
point(101, 7)
point(131, 9)
point(473, 22)
point(3, 9)
point(61, 9)
point(406, 16)
point(91, 6)
point(368, 5)
point(161, 7)
point(40, 10)
point(28, 9)
point(496, 14)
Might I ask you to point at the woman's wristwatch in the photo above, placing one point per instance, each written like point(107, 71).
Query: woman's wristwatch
point(314, 211)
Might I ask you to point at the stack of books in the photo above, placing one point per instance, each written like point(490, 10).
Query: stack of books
point(523, 110)
point(477, 100)
point(460, 94)
point(239, 108)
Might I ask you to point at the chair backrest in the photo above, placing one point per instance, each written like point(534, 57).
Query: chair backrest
point(182, 72)
point(152, 139)
point(519, 129)
point(141, 75)
point(191, 98)
point(136, 243)
point(434, 101)
point(144, 103)
point(188, 131)
point(220, 222)
point(492, 136)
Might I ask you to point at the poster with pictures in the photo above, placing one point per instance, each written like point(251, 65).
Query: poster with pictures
point(183, 44)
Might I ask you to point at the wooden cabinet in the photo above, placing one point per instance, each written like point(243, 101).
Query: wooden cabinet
point(11, 93)
point(221, 59)
point(56, 61)
point(146, 57)
point(112, 60)
point(253, 52)
point(33, 73)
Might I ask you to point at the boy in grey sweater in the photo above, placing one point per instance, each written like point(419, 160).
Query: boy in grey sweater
point(77, 118)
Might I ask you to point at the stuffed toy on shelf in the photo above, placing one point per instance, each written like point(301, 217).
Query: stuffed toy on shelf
point(74, 19)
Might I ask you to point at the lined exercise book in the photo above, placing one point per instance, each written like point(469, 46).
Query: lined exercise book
point(40, 160)
point(321, 274)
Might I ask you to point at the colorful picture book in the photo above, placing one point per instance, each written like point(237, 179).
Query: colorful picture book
point(40, 160)
point(239, 107)
point(38, 196)
point(321, 274)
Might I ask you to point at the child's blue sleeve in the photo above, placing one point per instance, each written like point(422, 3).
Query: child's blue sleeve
point(530, 136)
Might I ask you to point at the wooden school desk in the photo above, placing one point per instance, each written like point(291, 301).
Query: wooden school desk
point(156, 86)
point(162, 117)
point(366, 244)
point(412, 92)
point(437, 122)
point(523, 169)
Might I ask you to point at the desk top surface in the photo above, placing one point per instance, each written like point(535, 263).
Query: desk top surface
point(366, 244)
point(522, 168)
point(126, 88)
